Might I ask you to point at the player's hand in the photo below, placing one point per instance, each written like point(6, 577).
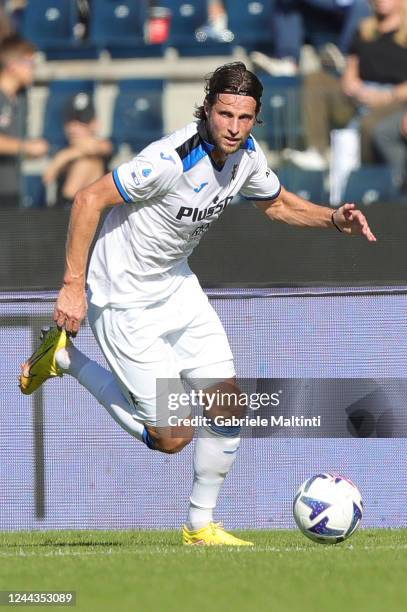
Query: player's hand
point(71, 307)
point(352, 221)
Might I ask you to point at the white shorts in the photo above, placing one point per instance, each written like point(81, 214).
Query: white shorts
point(181, 337)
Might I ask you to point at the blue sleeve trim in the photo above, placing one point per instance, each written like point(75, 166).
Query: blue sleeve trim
point(273, 197)
point(147, 439)
point(119, 186)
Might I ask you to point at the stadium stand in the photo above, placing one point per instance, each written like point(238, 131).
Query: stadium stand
point(308, 184)
point(370, 184)
point(186, 19)
point(50, 24)
point(118, 27)
point(280, 112)
point(60, 93)
point(321, 28)
point(138, 114)
point(34, 191)
point(251, 23)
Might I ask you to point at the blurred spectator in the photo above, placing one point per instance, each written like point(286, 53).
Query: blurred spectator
point(81, 29)
point(16, 74)
point(216, 27)
point(6, 26)
point(390, 139)
point(14, 9)
point(289, 31)
point(373, 86)
point(84, 159)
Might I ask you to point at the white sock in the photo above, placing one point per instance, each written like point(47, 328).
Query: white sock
point(213, 459)
point(71, 360)
point(103, 386)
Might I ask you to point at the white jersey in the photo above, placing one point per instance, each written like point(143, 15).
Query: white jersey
point(172, 191)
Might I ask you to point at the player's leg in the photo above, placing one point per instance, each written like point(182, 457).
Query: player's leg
point(166, 440)
point(120, 403)
point(57, 356)
point(137, 355)
point(215, 453)
point(102, 384)
point(216, 450)
point(206, 361)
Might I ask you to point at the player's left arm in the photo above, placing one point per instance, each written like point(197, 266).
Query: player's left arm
point(294, 210)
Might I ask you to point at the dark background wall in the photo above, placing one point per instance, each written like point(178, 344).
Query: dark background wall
point(242, 249)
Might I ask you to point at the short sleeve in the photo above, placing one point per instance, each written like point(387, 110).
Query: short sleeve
point(151, 173)
point(262, 183)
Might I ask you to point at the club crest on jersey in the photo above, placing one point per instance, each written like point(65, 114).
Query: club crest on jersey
point(141, 171)
point(195, 214)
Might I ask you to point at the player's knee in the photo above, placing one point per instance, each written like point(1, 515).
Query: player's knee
point(171, 446)
point(229, 407)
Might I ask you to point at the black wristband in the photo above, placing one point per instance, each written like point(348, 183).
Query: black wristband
point(333, 222)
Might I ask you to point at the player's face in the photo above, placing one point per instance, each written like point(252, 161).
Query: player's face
point(230, 121)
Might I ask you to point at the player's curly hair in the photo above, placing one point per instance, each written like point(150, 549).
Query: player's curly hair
point(231, 78)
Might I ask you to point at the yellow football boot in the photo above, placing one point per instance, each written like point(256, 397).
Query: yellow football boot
point(212, 535)
point(42, 365)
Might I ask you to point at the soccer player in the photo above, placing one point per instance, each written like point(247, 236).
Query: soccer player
point(146, 308)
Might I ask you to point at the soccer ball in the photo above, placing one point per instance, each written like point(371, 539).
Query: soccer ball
point(328, 508)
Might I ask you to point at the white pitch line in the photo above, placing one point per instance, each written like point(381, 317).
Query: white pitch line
point(190, 550)
point(328, 547)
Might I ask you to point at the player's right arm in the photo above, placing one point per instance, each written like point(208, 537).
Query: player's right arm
point(71, 306)
point(150, 174)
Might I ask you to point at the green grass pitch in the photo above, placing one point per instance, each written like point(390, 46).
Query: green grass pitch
point(141, 570)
